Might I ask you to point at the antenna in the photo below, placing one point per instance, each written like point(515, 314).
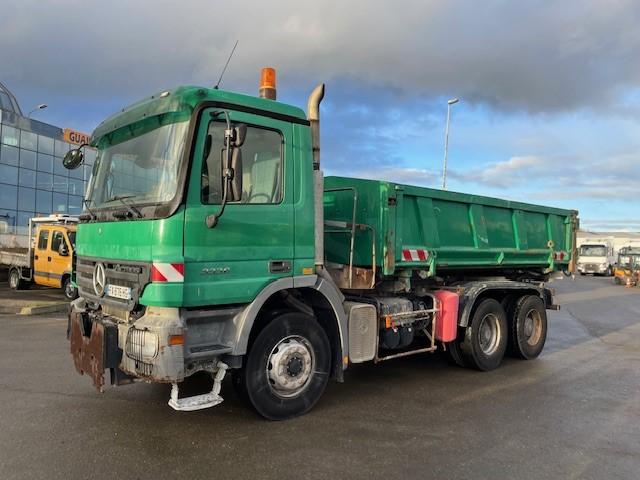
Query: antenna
point(226, 65)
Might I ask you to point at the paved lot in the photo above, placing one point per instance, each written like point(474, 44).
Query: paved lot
point(36, 298)
point(573, 413)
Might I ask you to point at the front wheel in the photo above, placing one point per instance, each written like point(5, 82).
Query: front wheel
point(287, 367)
point(485, 339)
point(70, 291)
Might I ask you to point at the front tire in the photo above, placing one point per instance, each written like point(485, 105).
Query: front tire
point(528, 328)
point(287, 367)
point(70, 292)
point(485, 340)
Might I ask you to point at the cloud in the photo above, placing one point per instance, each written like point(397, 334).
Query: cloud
point(535, 56)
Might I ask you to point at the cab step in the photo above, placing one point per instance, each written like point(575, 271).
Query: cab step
point(199, 402)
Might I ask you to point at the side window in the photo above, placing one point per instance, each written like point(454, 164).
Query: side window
point(56, 241)
point(261, 165)
point(42, 239)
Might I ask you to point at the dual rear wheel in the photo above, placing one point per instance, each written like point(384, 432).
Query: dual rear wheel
point(521, 331)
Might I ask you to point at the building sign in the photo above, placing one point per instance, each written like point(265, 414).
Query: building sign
point(73, 136)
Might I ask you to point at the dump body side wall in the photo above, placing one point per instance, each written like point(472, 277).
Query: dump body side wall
point(451, 230)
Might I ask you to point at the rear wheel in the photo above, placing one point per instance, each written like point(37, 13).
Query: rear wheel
point(15, 282)
point(287, 367)
point(527, 327)
point(617, 280)
point(485, 339)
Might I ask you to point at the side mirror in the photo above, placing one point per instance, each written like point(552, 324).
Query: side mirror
point(239, 134)
point(63, 251)
point(73, 159)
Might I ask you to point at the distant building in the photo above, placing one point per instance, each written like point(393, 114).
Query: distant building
point(33, 181)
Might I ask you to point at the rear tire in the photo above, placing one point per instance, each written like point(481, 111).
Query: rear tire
point(527, 327)
point(617, 280)
point(15, 282)
point(287, 368)
point(454, 350)
point(485, 339)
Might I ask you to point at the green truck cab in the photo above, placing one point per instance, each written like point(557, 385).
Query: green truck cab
point(210, 242)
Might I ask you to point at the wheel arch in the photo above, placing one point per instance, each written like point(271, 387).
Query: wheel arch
point(504, 292)
point(310, 294)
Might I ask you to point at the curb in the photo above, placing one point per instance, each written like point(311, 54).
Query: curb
point(41, 309)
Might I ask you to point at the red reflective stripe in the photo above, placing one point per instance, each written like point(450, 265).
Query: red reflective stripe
point(156, 275)
point(422, 255)
point(179, 267)
point(406, 254)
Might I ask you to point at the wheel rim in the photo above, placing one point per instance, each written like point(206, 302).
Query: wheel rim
point(489, 334)
point(532, 327)
point(68, 290)
point(13, 279)
point(290, 366)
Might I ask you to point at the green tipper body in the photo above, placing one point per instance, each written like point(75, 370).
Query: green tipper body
point(451, 230)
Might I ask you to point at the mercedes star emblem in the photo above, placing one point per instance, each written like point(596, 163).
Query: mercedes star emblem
point(99, 279)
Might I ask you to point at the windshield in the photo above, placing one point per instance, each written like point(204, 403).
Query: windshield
point(593, 251)
point(142, 169)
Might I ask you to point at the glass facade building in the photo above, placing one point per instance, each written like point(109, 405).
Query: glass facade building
point(33, 181)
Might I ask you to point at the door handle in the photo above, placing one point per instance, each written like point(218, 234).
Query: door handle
point(279, 266)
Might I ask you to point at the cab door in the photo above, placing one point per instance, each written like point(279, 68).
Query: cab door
point(60, 255)
point(42, 257)
point(252, 243)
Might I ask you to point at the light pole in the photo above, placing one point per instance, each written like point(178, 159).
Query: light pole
point(446, 142)
point(42, 106)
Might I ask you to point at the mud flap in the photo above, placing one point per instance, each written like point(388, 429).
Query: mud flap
point(94, 348)
point(87, 341)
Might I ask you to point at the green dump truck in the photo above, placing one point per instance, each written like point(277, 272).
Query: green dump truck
point(211, 243)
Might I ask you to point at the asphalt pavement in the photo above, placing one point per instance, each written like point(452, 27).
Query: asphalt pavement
point(574, 413)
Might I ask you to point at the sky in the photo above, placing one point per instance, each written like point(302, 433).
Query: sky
point(549, 90)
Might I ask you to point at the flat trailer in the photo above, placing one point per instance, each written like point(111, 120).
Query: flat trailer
point(212, 243)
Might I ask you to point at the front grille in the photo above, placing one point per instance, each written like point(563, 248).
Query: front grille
point(135, 275)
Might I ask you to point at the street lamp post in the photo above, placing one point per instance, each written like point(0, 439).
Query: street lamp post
point(446, 142)
point(42, 106)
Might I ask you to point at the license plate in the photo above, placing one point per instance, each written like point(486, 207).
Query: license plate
point(118, 291)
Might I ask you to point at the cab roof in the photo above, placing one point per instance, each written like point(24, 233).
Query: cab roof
point(184, 100)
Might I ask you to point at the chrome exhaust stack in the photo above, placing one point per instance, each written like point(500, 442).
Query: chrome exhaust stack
point(313, 115)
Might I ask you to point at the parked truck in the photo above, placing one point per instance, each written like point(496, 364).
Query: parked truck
point(596, 257)
point(212, 242)
point(48, 259)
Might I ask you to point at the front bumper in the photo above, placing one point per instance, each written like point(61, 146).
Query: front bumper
point(586, 268)
point(99, 343)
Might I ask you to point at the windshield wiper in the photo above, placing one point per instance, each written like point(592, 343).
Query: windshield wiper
point(87, 216)
point(131, 209)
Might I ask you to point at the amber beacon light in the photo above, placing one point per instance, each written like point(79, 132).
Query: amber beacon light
point(268, 83)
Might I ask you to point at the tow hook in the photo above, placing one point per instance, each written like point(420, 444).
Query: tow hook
point(199, 402)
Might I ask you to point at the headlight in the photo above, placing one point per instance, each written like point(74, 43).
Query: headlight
point(142, 345)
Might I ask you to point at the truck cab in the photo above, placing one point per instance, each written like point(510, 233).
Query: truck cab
point(596, 258)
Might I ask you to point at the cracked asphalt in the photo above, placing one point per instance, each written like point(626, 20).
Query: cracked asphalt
point(573, 413)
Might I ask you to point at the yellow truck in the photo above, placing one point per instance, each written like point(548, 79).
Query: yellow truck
point(48, 260)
